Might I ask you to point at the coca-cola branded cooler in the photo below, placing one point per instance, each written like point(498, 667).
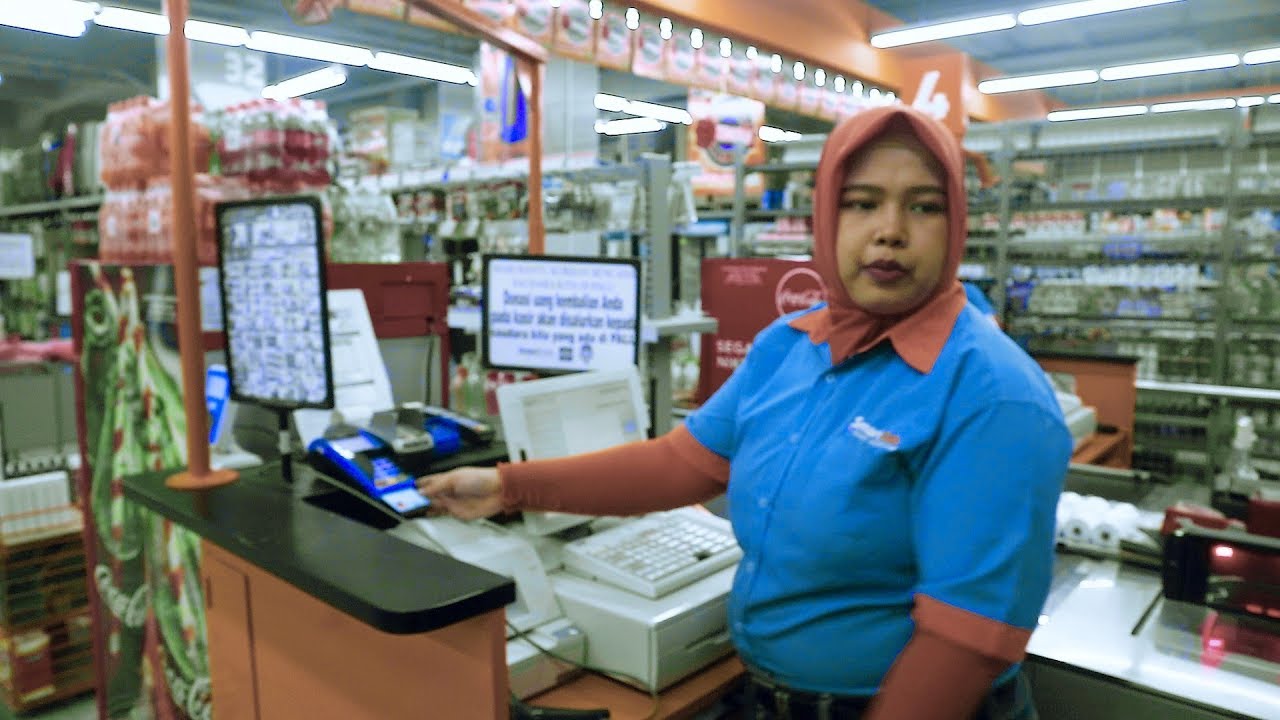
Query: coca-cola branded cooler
point(745, 295)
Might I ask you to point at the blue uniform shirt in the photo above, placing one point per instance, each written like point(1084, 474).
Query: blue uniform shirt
point(854, 487)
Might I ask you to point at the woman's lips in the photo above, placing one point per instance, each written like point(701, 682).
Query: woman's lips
point(885, 271)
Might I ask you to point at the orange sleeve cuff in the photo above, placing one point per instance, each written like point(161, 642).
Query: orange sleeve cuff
point(991, 638)
point(668, 472)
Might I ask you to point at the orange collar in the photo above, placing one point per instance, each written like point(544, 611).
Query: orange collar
point(917, 338)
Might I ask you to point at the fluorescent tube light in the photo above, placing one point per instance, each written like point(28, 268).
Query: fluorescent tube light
point(418, 67)
point(629, 126)
point(136, 20)
point(820, 77)
point(1274, 99)
point(695, 38)
point(611, 103)
point(926, 33)
point(1067, 11)
point(839, 83)
point(1169, 67)
point(311, 49)
point(1250, 101)
point(1257, 57)
point(772, 134)
point(797, 71)
point(775, 63)
point(1211, 104)
point(56, 17)
point(322, 79)
point(1094, 113)
point(856, 88)
point(752, 52)
point(596, 9)
point(874, 95)
point(665, 113)
point(664, 27)
point(726, 47)
point(633, 19)
point(1032, 82)
point(201, 31)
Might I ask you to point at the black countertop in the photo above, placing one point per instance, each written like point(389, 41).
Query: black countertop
point(390, 584)
point(1083, 355)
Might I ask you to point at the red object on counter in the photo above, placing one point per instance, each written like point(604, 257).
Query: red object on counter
point(1205, 517)
point(1264, 517)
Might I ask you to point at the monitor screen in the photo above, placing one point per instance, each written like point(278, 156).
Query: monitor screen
point(271, 263)
point(552, 314)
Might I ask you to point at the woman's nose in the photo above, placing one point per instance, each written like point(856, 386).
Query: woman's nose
point(890, 230)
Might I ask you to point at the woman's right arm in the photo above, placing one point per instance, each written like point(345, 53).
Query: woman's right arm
point(668, 472)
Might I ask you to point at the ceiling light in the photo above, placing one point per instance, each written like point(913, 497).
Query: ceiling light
point(772, 134)
point(874, 95)
point(1250, 101)
point(57, 17)
point(798, 70)
point(890, 97)
point(1094, 113)
point(555, 3)
point(201, 31)
point(820, 77)
point(775, 63)
point(1274, 99)
point(695, 38)
point(1211, 104)
point(659, 112)
point(135, 20)
point(633, 19)
point(596, 9)
point(1257, 57)
point(666, 113)
point(839, 85)
point(752, 53)
point(322, 79)
point(926, 33)
point(726, 47)
point(418, 67)
point(1168, 67)
point(1032, 82)
point(311, 49)
point(856, 88)
point(665, 28)
point(1067, 11)
point(629, 126)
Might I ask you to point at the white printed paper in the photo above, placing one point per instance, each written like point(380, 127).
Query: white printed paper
point(17, 256)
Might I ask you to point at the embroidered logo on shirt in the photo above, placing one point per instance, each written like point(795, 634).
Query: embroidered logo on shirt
point(874, 436)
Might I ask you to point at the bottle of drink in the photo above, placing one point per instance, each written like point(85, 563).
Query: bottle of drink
point(1240, 478)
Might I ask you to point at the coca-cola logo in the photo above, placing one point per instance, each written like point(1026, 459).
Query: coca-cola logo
point(799, 289)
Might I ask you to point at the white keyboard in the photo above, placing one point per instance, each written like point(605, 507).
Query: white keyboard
point(655, 554)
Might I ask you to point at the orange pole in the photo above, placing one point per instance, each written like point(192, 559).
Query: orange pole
point(185, 274)
point(537, 233)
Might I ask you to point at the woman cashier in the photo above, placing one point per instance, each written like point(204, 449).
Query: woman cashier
point(892, 461)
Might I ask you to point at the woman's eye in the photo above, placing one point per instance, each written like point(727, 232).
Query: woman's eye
point(929, 208)
point(861, 205)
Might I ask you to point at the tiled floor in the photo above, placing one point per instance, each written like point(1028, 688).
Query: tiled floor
point(81, 708)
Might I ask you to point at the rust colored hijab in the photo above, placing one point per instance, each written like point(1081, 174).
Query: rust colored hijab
point(918, 335)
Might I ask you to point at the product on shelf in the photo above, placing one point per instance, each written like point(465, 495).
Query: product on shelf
point(277, 146)
point(366, 227)
point(133, 143)
point(136, 226)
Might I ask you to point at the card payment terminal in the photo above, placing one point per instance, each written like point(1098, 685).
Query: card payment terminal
point(366, 462)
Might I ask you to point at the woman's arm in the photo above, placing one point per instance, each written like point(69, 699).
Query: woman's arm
point(668, 472)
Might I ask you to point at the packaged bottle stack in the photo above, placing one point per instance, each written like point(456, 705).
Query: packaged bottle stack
point(277, 146)
point(365, 227)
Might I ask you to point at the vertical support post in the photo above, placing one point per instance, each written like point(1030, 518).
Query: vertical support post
point(738, 224)
point(537, 231)
point(185, 274)
point(657, 173)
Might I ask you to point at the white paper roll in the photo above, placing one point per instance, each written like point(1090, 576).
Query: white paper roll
point(1093, 507)
point(1076, 531)
point(1105, 535)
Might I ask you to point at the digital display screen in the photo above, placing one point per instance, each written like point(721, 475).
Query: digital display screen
point(406, 500)
point(560, 314)
point(273, 298)
point(353, 445)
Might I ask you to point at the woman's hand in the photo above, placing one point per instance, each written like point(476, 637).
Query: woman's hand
point(468, 493)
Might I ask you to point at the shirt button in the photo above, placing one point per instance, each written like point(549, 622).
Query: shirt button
point(831, 379)
point(763, 503)
point(795, 438)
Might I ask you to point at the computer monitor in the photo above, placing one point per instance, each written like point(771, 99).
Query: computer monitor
point(275, 315)
point(567, 415)
point(551, 314)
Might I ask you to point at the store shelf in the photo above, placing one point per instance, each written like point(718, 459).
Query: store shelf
point(1106, 318)
point(773, 214)
point(1134, 146)
point(1171, 420)
point(783, 167)
point(1223, 391)
point(1123, 204)
point(1259, 200)
point(54, 206)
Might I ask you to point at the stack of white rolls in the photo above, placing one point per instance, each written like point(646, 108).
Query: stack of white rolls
point(1095, 522)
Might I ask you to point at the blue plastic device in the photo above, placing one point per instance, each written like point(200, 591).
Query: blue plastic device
point(366, 462)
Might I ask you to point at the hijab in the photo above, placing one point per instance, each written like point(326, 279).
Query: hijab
point(919, 334)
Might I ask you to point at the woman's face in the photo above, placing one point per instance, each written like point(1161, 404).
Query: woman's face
point(891, 236)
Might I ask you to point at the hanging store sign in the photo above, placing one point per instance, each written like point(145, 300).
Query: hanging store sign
point(724, 128)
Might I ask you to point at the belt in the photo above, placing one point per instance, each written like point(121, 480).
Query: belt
point(770, 699)
point(786, 703)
